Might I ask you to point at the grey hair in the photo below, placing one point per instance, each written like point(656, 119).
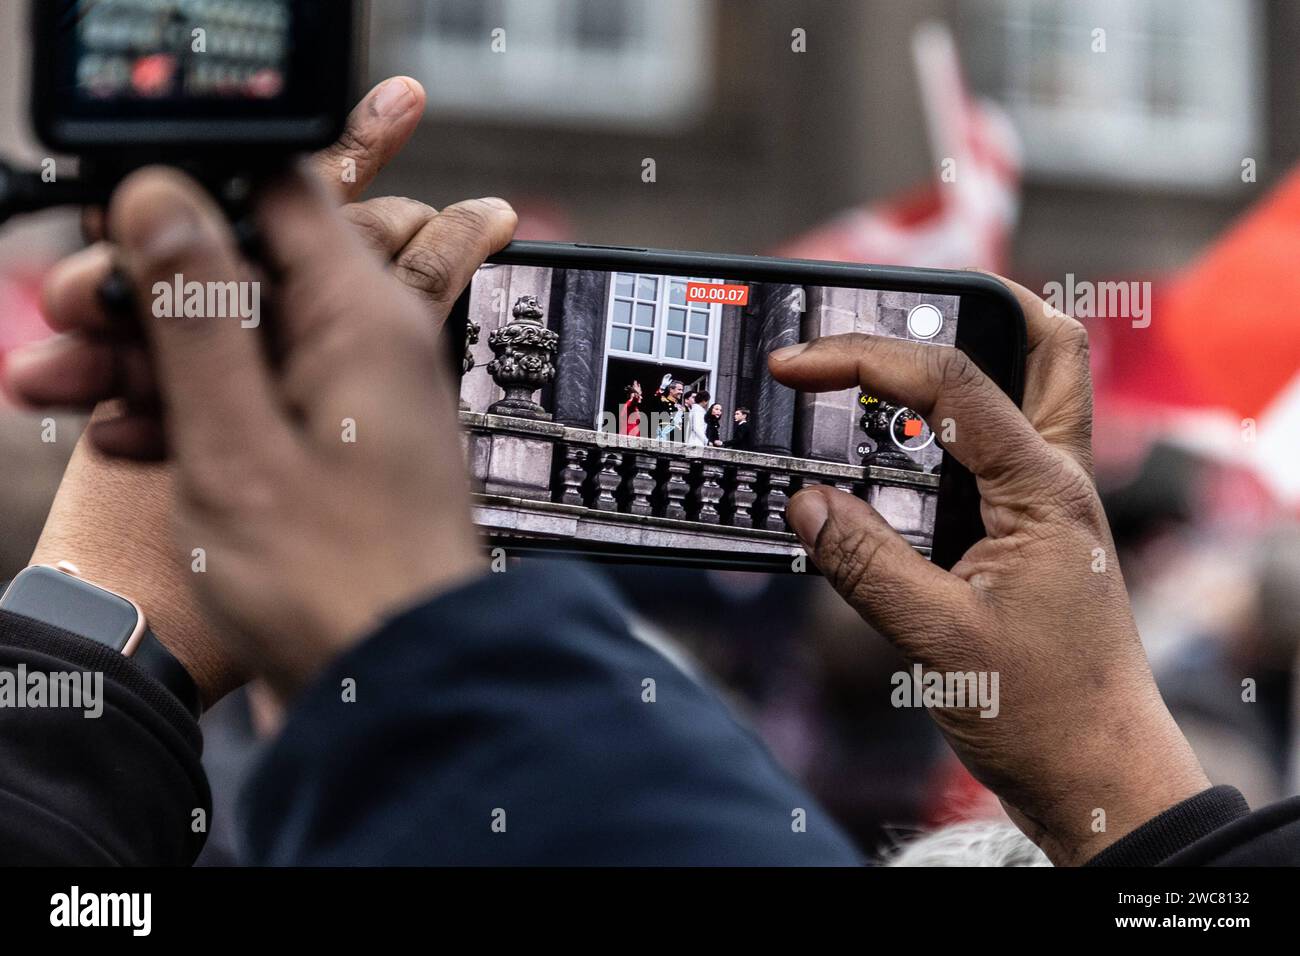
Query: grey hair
point(968, 844)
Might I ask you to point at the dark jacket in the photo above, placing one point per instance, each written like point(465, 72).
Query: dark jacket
point(122, 788)
point(512, 721)
point(740, 438)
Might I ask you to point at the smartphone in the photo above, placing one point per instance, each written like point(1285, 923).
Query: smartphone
point(617, 403)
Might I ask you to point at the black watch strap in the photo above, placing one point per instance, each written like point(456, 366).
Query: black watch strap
point(156, 661)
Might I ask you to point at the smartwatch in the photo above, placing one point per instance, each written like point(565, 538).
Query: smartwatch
point(59, 597)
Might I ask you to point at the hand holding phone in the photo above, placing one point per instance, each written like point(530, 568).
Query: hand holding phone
point(1077, 725)
point(358, 345)
point(112, 519)
point(311, 539)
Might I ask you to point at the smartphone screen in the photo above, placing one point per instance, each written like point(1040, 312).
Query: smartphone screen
point(632, 411)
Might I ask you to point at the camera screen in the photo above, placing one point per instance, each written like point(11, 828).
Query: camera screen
point(637, 409)
point(167, 50)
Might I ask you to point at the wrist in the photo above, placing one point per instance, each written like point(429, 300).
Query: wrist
point(1140, 776)
point(113, 521)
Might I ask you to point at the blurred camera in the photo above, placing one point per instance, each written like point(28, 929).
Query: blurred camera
point(122, 82)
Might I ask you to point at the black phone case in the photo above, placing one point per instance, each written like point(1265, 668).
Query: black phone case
point(991, 331)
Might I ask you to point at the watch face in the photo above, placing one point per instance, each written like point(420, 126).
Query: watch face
point(67, 602)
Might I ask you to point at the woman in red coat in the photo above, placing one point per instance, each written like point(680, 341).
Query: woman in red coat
point(632, 411)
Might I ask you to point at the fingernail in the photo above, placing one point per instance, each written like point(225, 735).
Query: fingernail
point(172, 231)
point(789, 352)
point(807, 514)
point(496, 201)
point(394, 99)
point(20, 360)
point(26, 369)
point(13, 366)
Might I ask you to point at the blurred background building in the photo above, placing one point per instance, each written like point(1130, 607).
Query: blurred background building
point(1147, 128)
point(1133, 155)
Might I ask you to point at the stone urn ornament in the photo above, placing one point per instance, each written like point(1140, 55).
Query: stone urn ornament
point(525, 353)
point(879, 418)
point(472, 332)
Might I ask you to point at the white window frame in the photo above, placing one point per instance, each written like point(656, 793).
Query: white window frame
point(1109, 137)
point(659, 356)
point(659, 80)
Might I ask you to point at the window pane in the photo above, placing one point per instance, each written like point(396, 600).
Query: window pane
point(603, 23)
point(699, 351)
point(623, 284)
point(645, 342)
point(676, 344)
point(631, 64)
point(676, 320)
point(645, 316)
point(462, 18)
point(619, 340)
point(623, 313)
point(677, 293)
point(647, 287)
point(700, 323)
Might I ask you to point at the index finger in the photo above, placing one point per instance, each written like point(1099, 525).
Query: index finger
point(942, 384)
point(382, 123)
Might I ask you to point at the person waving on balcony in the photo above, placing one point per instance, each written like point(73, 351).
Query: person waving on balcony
point(667, 409)
point(631, 409)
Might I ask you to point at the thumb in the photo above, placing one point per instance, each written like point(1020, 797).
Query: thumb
point(193, 290)
point(375, 133)
point(902, 595)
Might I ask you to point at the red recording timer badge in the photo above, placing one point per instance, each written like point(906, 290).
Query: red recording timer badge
point(716, 294)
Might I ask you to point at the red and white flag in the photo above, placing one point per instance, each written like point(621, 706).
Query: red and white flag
point(1217, 372)
point(965, 216)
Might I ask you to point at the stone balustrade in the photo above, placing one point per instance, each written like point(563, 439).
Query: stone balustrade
point(541, 479)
